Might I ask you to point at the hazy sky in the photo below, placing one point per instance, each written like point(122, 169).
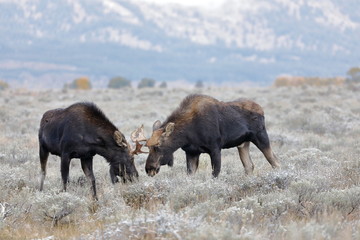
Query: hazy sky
point(204, 3)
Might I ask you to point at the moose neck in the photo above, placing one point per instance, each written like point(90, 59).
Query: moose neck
point(176, 140)
point(111, 155)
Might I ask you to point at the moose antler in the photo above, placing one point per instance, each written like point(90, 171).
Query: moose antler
point(138, 136)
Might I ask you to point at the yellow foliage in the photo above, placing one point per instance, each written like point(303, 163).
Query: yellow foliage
point(82, 83)
point(295, 81)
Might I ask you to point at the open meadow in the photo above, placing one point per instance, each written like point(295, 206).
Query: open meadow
point(314, 131)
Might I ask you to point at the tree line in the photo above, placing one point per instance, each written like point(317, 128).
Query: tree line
point(84, 83)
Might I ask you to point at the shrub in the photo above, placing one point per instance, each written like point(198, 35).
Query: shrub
point(146, 83)
point(82, 83)
point(297, 81)
point(199, 84)
point(119, 82)
point(163, 85)
point(55, 207)
point(354, 74)
point(3, 85)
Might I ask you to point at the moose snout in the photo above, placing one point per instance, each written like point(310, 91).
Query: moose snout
point(151, 171)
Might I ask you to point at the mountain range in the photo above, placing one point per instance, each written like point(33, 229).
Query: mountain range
point(47, 43)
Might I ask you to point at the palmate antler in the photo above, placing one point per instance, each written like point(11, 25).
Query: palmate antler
point(137, 136)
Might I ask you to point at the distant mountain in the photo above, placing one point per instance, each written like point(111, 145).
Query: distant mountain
point(46, 43)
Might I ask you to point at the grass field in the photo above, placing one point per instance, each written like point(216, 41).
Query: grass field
point(315, 132)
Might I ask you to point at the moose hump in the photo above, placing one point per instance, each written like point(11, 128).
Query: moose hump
point(247, 105)
point(197, 104)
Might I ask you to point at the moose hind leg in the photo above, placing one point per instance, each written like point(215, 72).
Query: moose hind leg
point(215, 157)
point(245, 158)
point(192, 163)
point(87, 167)
point(44, 154)
point(263, 143)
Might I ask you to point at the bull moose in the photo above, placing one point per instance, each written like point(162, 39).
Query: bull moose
point(202, 124)
point(81, 131)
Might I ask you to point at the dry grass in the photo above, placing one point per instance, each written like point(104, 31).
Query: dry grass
point(315, 195)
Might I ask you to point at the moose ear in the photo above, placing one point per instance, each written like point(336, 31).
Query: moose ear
point(169, 128)
point(120, 139)
point(156, 125)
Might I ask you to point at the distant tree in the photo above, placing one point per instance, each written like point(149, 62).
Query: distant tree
point(163, 85)
point(119, 82)
point(3, 85)
point(147, 83)
point(199, 84)
point(81, 83)
point(354, 74)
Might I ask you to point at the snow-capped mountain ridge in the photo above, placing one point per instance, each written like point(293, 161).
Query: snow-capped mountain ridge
point(240, 40)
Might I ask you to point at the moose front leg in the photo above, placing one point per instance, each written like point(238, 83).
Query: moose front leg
point(87, 167)
point(192, 162)
point(65, 163)
point(215, 162)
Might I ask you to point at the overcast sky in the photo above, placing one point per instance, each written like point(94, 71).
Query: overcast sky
point(203, 3)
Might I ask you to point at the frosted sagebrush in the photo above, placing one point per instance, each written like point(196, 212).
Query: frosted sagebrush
point(53, 206)
point(314, 194)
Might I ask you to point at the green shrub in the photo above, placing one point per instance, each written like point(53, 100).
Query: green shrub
point(199, 84)
point(163, 85)
point(119, 82)
point(146, 83)
point(354, 74)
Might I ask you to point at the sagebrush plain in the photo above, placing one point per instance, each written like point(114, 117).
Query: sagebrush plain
point(314, 131)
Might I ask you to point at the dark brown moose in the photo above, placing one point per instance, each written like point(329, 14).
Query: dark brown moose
point(82, 131)
point(202, 124)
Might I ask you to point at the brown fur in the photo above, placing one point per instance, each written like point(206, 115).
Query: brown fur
point(248, 105)
point(194, 105)
point(191, 106)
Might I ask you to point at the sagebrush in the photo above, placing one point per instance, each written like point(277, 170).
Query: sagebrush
point(315, 194)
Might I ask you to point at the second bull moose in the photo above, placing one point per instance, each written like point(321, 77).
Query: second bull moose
point(202, 124)
point(82, 131)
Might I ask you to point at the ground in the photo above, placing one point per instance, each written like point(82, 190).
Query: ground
point(314, 131)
